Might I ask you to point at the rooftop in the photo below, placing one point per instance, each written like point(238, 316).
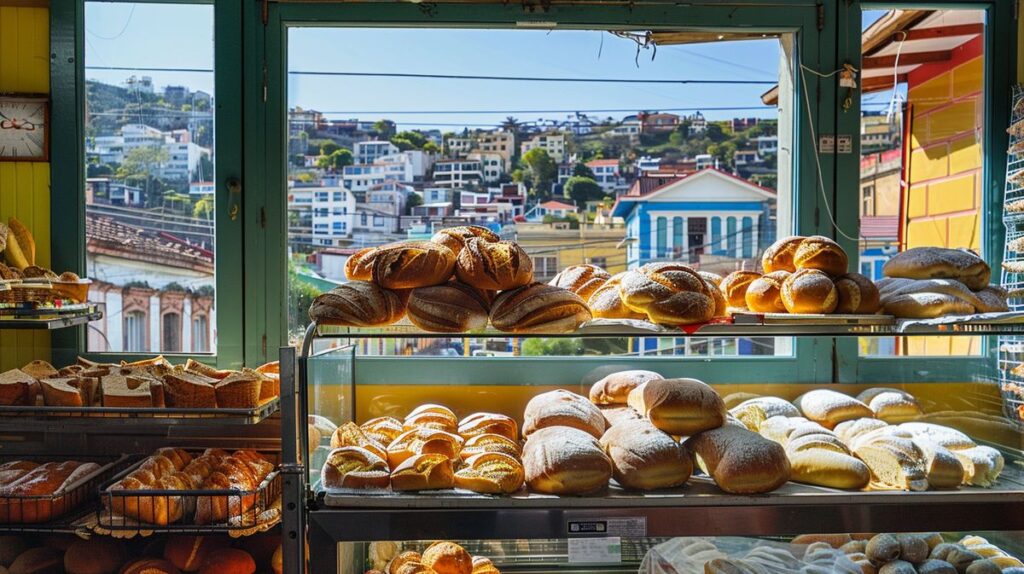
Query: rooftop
point(107, 236)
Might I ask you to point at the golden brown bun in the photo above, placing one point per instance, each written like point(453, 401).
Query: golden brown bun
point(488, 423)
point(939, 263)
point(423, 472)
point(97, 555)
point(359, 266)
point(490, 443)
point(357, 304)
point(565, 460)
point(668, 293)
point(454, 238)
point(925, 306)
point(449, 308)
point(483, 565)
point(764, 294)
point(490, 473)
point(349, 434)
point(407, 557)
point(582, 280)
point(823, 467)
point(644, 457)
point(562, 408)
point(423, 441)
point(354, 467)
point(606, 303)
point(857, 294)
point(448, 558)
point(734, 287)
point(809, 291)
point(383, 429)
point(539, 308)
point(614, 389)
point(779, 255)
point(821, 253)
point(829, 408)
point(496, 265)
point(680, 407)
point(432, 416)
point(740, 461)
point(412, 264)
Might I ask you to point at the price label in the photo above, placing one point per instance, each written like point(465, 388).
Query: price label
point(606, 550)
point(626, 527)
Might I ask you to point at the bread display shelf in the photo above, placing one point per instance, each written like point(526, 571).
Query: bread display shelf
point(163, 416)
point(49, 318)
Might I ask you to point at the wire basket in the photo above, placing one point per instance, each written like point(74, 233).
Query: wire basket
point(51, 508)
point(193, 510)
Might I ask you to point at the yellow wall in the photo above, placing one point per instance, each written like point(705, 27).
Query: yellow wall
point(25, 186)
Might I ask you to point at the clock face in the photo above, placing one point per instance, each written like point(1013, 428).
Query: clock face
point(23, 129)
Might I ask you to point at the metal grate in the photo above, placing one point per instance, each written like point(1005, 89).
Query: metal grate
point(1011, 347)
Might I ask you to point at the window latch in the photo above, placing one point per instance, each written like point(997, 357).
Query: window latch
point(234, 197)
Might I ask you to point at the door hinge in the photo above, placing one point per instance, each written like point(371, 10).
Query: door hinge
point(821, 17)
point(265, 11)
point(263, 218)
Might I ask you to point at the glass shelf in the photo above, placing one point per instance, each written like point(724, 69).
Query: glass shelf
point(49, 319)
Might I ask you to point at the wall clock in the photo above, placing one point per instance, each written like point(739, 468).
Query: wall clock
point(24, 128)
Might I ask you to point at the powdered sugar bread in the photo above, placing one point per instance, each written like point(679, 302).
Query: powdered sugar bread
point(896, 463)
point(809, 291)
point(618, 414)
point(740, 461)
point(891, 405)
point(644, 457)
point(565, 460)
point(779, 255)
point(938, 262)
point(680, 407)
point(615, 388)
point(562, 408)
point(829, 408)
point(582, 280)
point(772, 406)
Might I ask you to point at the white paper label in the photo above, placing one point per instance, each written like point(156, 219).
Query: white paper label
point(595, 550)
point(629, 527)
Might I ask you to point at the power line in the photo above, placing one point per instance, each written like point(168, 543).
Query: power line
point(529, 78)
point(147, 69)
point(566, 111)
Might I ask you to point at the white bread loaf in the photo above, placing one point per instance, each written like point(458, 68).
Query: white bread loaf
point(896, 463)
point(562, 408)
point(644, 457)
point(740, 461)
point(565, 460)
point(680, 407)
point(829, 408)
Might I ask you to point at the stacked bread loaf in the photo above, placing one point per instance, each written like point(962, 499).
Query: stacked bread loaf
point(142, 384)
point(430, 449)
point(32, 492)
point(664, 293)
point(914, 553)
point(926, 282)
point(441, 557)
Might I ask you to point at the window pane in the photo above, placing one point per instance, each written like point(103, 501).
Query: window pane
point(149, 191)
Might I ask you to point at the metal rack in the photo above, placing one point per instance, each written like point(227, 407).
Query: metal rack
point(47, 417)
point(49, 319)
point(1011, 347)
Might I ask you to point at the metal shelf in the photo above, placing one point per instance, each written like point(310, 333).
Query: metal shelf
point(48, 321)
point(96, 418)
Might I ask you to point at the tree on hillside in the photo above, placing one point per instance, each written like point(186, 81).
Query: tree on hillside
point(203, 209)
point(581, 170)
point(431, 147)
point(715, 133)
point(582, 190)
point(338, 159)
point(408, 140)
point(384, 128)
point(414, 200)
point(543, 170)
point(329, 147)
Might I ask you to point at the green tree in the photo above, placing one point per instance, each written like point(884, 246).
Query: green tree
point(384, 128)
point(581, 170)
point(329, 147)
point(543, 170)
point(715, 133)
point(431, 147)
point(409, 140)
point(582, 190)
point(414, 200)
point(203, 209)
point(553, 347)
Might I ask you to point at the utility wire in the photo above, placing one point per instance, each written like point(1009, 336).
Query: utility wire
point(528, 78)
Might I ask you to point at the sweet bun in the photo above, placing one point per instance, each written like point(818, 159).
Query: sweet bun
point(740, 461)
point(350, 434)
point(354, 467)
point(680, 407)
point(668, 293)
point(448, 308)
point(582, 280)
point(939, 263)
point(614, 389)
point(764, 294)
point(779, 255)
point(490, 443)
point(454, 238)
point(359, 266)
point(829, 408)
point(490, 473)
point(497, 265)
point(565, 460)
point(734, 287)
point(644, 457)
point(488, 423)
point(539, 308)
point(857, 295)
point(809, 291)
point(423, 472)
point(821, 253)
point(412, 264)
point(448, 558)
point(606, 303)
point(562, 408)
point(423, 441)
point(357, 304)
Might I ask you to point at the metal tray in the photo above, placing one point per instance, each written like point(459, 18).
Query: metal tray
point(47, 416)
point(56, 510)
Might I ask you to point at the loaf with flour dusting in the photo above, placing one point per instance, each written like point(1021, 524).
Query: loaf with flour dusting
point(562, 408)
point(829, 408)
point(740, 461)
point(680, 407)
point(614, 389)
point(644, 457)
point(565, 460)
point(939, 263)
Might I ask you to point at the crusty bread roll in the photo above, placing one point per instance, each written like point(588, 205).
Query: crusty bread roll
point(891, 405)
point(644, 457)
point(422, 441)
point(449, 308)
point(538, 308)
point(939, 263)
point(764, 294)
point(445, 557)
point(925, 306)
point(357, 304)
point(618, 414)
point(821, 253)
point(582, 280)
point(829, 408)
point(412, 264)
point(992, 299)
point(779, 255)
point(680, 407)
point(349, 434)
point(734, 287)
point(488, 423)
point(668, 293)
point(497, 265)
point(490, 443)
point(740, 461)
point(606, 303)
point(359, 265)
point(454, 238)
point(562, 408)
point(565, 460)
point(857, 295)
point(423, 472)
point(809, 291)
point(614, 389)
point(824, 467)
point(772, 406)
point(384, 430)
point(490, 473)
point(354, 467)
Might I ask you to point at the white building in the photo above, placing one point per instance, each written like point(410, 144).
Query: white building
point(698, 124)
point(606, 173)
point(333, 215)
point(457, 173)
point(372, 150)
point(553, 143)
point(767, 144)
point(491, 163)
point(705, 160)
point(629, 126)
point(501, 142)
point(438, 195)
point(183, 156)
point(459, 146)
point(405, 166)
point(647, 163)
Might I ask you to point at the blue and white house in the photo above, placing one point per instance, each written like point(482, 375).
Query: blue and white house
point(682, 216)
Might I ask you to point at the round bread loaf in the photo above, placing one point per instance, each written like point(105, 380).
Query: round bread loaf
point(668, 293)
point(614, 389)
point(354, 467)
point(764, 294)
point(562, 408)
point(939, 263)
point(490, 473)
point(359, 265)
point(228, 561)
point(488, 423)
point(857, 295)
point(539, 308)
point(913, 548)
point(734, 287)
point(680, 407)
point(644, 457)
point(448, 558)
point(779, 255)
point(809, 291)
point(821, 253)
point(565, 460)
point(606, 303)
point(582, 280)
point(449, 308)
point(740, 461)
point(829, 408)
point(412, 264)
point(357, 304)
point(498, 265)
point(97, 555)
point(455, 238)
point(925, 306)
